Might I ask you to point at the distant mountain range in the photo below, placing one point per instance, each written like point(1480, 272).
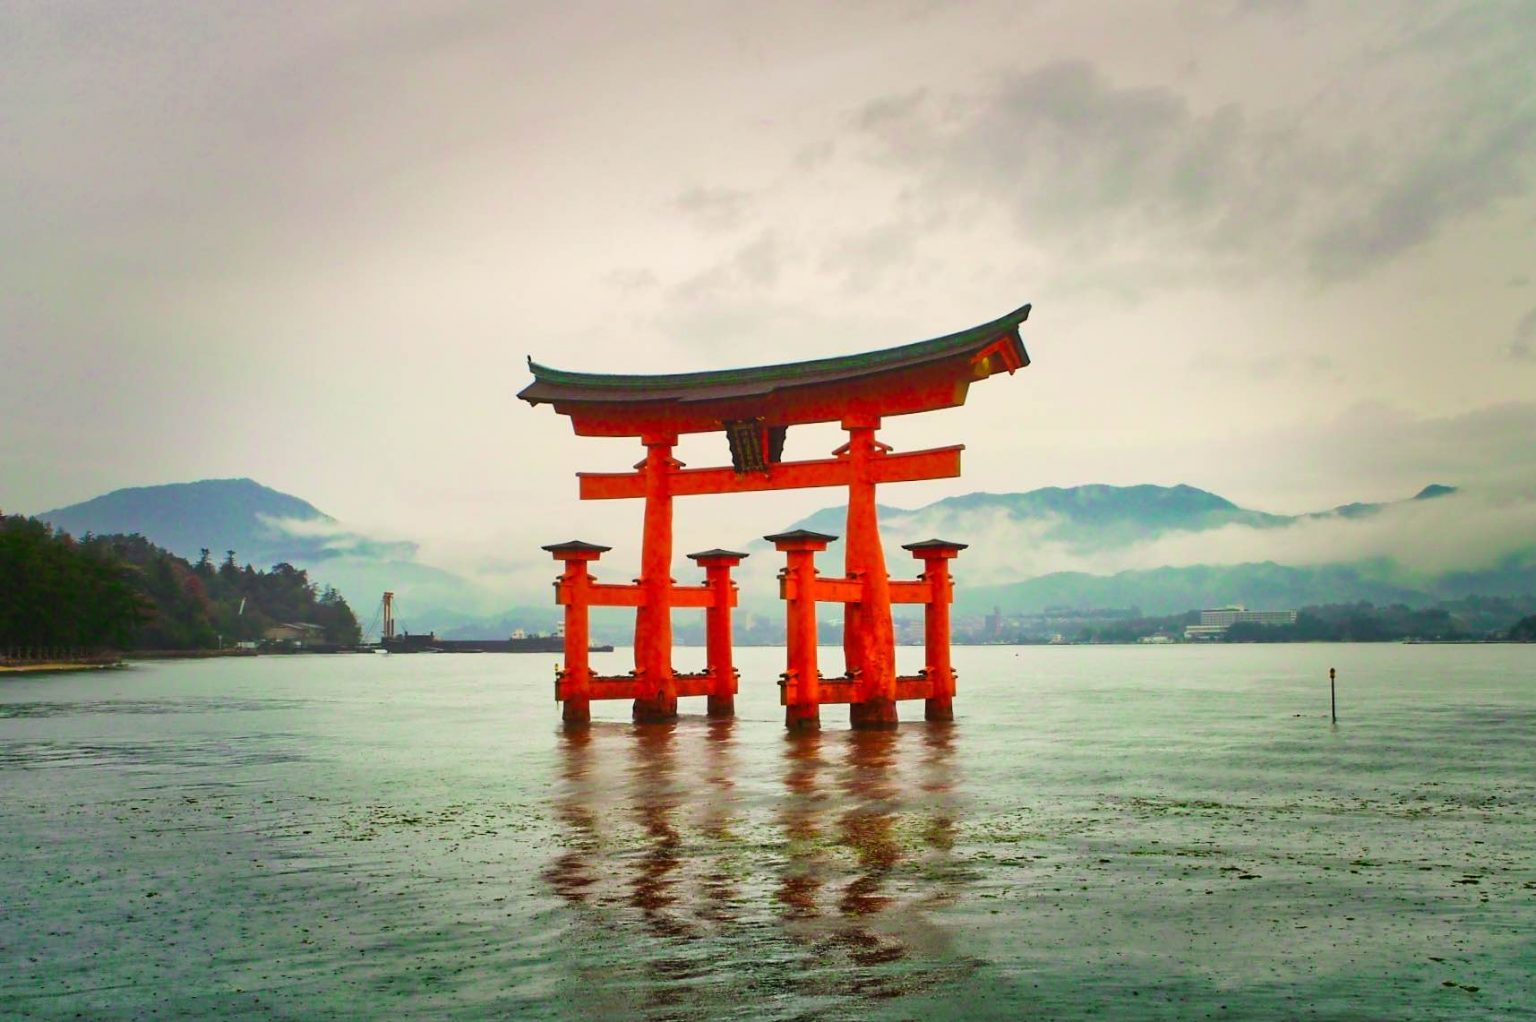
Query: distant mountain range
point(1265, 585)
point(1094, 516)
point(1203, 550)
point(259, 523)
point(263, 527)
point(1162, 549)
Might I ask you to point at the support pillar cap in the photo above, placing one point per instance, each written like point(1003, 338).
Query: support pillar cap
point(800, 539)
point(718, 556)
point(576, 550)
point(935, 547)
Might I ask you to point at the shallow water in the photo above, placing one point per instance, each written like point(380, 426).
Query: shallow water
point(1114, 832)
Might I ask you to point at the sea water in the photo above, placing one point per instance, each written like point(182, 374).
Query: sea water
point(1174, 832)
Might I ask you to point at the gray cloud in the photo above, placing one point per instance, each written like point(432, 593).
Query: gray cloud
point(868, 258)
point(1444, 127)
point(1084, 168)
point(715, 209)
point(751, 267)
point(1523, 344)
point(1466, 170)
point(1271, 6)
point(1380, 447)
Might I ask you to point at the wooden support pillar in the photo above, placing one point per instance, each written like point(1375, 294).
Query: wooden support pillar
point(653, 620)
point(936, 555)
point(869, 639)
point(573, 682)
point(717, 565)
point(797, 585)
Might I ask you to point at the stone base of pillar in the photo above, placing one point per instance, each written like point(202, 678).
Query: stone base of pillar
point(938, 709)
point(802, 718)
point(721, 706)
point(655, 711)
point(873, 715)
point(576, 711)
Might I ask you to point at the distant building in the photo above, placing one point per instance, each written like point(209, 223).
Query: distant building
point(909, 631)
point(992, 627)
point(1214, 623)
point(297, 632)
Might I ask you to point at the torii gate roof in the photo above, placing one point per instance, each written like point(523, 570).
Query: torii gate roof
point(915, 377)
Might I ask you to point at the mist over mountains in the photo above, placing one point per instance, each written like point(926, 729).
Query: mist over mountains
point(257, 522)
point(1162, 549)
point(263, 527)
point(1167, 549)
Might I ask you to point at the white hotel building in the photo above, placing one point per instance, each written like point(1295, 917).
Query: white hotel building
point(1214, 623)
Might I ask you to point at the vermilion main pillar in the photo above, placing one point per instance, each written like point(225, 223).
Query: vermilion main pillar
point(869, 637)
point(653, 620)
point(755, 407)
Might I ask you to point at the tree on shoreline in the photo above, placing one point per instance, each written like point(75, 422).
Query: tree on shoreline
point(123, 592)
point(56, 593)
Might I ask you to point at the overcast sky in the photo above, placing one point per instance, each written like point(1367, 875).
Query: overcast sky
point(1285, 251)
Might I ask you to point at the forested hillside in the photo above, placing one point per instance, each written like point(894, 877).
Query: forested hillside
point(123, 592)
point(54, 593)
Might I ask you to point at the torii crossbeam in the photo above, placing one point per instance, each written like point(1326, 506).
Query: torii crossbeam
point(755, 407)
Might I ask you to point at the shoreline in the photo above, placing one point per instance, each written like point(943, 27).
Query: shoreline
point(186, 654)
point(63, 666)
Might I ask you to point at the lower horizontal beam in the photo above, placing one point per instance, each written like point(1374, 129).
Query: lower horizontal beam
point(911, 592)
point(609, 594)
point(695, 684)
point(621, 687)
point(851, 590)
point(845, 690)
point(624, 686)
point(918, 686)
point(829, 690)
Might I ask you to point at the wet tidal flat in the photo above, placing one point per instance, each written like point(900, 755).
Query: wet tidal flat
point(1104, 832)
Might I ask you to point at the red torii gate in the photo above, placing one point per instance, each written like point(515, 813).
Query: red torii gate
point(754, 407)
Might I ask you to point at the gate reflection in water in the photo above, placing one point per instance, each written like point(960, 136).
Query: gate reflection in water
point(811, 880)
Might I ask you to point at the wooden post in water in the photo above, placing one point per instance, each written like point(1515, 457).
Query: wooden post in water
point(717, 565)
point(1333, 696)
point(573, 590)
point(801, 688)
point(936, 555)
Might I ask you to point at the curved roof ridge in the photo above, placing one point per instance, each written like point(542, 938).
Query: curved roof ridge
point(551, 383)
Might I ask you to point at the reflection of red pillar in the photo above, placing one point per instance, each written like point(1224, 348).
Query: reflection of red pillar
point(573, 685)
point(717, 565)
point(936, 555)
point(802, 680)
point(869, 641)
point(653, 621)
